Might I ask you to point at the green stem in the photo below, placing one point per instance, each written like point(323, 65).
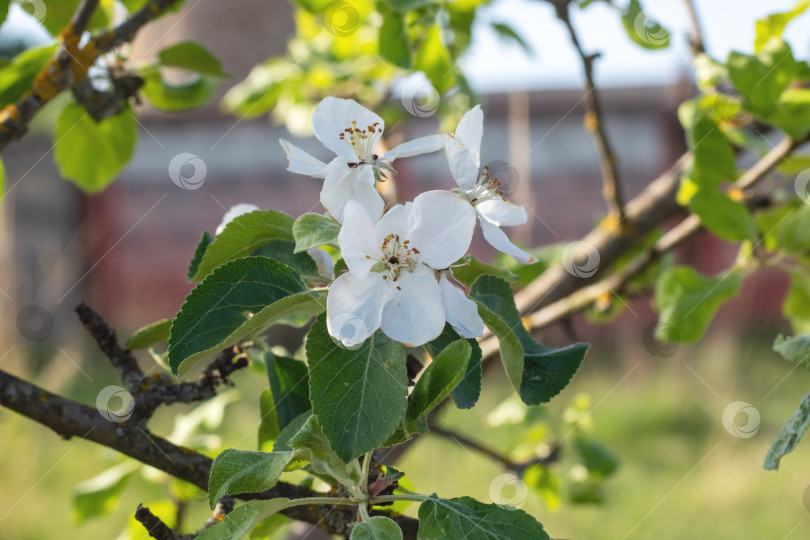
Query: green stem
point(363, 508)
point(394, 498)
point(365, 472)
point(321, 500)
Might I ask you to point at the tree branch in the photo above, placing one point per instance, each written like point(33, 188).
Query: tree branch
point(696, 41)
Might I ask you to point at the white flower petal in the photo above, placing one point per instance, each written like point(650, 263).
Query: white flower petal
point(440, 226)
point(326, 266)
point(414, 314)
point(233, 213)
point(470, 131)
point(462, 165)
point(343, 184)
point(358, 245)
point(300, 162)
point(502, 213)
point(333, 115)
point(422, 145)
point(498, 239)
point(460, 311)
point(394, 221)
point(354, 307)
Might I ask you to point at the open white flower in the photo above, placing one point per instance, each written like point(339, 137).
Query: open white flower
point(234, 212)
point(482, 190)
point(352, 132)
point(392, 282)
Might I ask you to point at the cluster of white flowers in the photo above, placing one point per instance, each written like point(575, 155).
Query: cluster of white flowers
point(400, 277)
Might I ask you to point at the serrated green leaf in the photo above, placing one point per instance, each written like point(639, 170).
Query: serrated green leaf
point(92, 154)
point(283, 441)
point(794, 348)
point(773, 25)
point(284, 252)
point(150, 334)
point(314, 230)
point(762, 78)
point(289, 384)
point(468, 390)
point(435, 61)
point(789, 436)
point(240, 471)
point(242, 519)
point(438, 379)
point(687, 301)
point(194, 265)
point(468, 268)
point(642, 29)
point(377, 528)
point(17, 77)
point(345, 385)
point(243, 235)
point(170, 97)
point(394, 45)
point(191, 56)
point(726, 218)
point(310, 444)
point(464, 518)
point(100, 495)
point(238, 299)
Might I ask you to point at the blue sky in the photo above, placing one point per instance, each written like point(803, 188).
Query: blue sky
point(493, 65)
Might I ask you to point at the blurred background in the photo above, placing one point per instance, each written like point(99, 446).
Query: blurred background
point(125, 252)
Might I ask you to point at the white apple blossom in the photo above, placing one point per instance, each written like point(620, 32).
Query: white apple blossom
point(398, 277)
point(483, 191)
point(234, 212)
point(352, 132)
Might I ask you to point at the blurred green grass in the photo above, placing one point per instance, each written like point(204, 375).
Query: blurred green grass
point(681, 475)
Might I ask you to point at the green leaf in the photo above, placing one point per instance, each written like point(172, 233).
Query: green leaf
point(283, 439)
point(642, 29)
point(438, 379)
point(537, 373)
point(314, 230)
point(762, 78)
point(92, 154)
point(726, 218)
point(545, 483)
point(435, 61)
point(100, 495)
point(796, 306)
point(466, 393)
point(792, 113)
point(795, 348)
point(687, 301)
point(311, 445)
point(284, 252)
point(377, 528)
point(508, 34)
point(57, 16)
point(713, 154)
point(789, 436)
point(394, 45)
point(177, 97)
point(258, 94)
point(599, 461)
point(464, 518)
point(289, 385)
point(150, 334)
point(194, 265)
point(791, 232)
point(347, 385)
point(238, 299)
point(243, 235)
point(242, 520)
point(268, 422)
point(191, 56)
point(240, 471)
point(773, 25)
point(471, 268)
point(17, 77)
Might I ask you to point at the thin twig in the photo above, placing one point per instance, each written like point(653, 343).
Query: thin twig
point(696, 39)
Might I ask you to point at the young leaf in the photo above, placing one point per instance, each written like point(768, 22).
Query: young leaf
point(170, 97)
point(642, 29)
point(472, 268)
point(795, 348)
point(377, 528)
point(596, 458)
point(508, 34)
point(192, 57)
point(359, 396)
point(243, 235)
point(91, 154)
point(726, 218)
point(238, 299)
point(438, 379)
point(310, 444)
point(100, 495)
point(194, 265)
point(464, 518)
point(773, 25)
point(242, 520)
point(791, 232)
point(789, 436)
point(239, 471)
point(314, 230)
point(289, 385)
point(268, 421)
point(467, 391)
point(17, 77)
point(762, 78)
point(792, 112)
point(150, 334)
point(394, 45)
point(713, 154)
point(796, 306)
point(687, 301)
point(434, 60)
